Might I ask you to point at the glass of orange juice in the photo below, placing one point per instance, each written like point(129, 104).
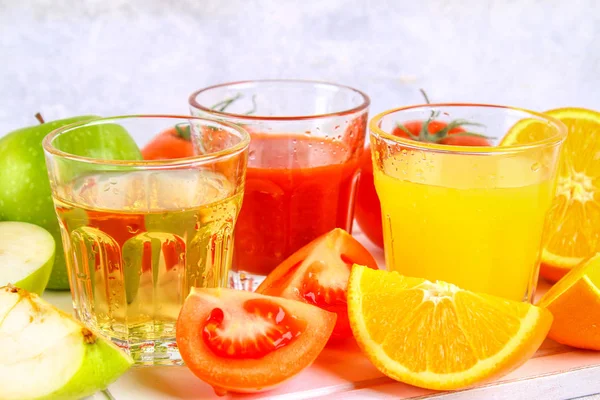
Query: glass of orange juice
point(458, 203)
point(139, 234)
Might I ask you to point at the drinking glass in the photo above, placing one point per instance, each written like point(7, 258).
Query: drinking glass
point(306, 139)
point(473, 216)
point(139, 234)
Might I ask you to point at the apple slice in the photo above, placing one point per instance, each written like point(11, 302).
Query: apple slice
point(49, 355)
point(26, 256)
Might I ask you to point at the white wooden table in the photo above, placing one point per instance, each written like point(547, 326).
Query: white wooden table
point(555, 372)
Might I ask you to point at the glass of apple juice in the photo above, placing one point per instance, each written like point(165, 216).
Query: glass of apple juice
point(139, 234)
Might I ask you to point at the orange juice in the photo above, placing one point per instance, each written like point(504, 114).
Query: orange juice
point(472, 220)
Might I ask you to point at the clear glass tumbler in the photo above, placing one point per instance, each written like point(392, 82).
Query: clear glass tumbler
point(467, 205)
point(139, 234)
point(306, 139)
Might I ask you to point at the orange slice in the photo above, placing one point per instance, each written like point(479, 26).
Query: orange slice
point(574, 301)
point(573, 227)
point(436, 335)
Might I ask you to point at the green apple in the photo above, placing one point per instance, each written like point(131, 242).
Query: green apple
point(25, 194)
point(49, 355)
point(26, 256)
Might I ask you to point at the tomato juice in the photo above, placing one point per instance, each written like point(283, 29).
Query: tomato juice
point(298, 187)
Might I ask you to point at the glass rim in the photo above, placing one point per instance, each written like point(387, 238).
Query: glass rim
point(50, 149)
point(366, 101)
point(559, 136)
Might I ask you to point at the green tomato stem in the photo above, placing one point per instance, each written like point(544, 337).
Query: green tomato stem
point(425, 96)
point(184, 132)
point(222, 105)
point(253, 105)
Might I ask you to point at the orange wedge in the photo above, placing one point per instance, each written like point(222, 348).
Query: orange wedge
point(574, 301)
point(573, 227)
point(436, 335)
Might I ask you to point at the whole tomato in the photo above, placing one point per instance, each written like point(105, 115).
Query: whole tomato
point(175, 142)
point(171, 143)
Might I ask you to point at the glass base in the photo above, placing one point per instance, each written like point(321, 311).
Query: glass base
point(152, 352)
point(241, 280)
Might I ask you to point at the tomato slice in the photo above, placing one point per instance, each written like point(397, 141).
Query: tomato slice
point(318, 274)
point(245, 342)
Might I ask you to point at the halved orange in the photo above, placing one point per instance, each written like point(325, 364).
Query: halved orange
point(436, 335)
point(573, 227)
point(574, 301)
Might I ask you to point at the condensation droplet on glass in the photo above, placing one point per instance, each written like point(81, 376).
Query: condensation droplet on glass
point(535, 167)
point(133, 230)
point(404, 152)
point(336, 127)
point(106, 188)
point(115, 191)
point(112, 181)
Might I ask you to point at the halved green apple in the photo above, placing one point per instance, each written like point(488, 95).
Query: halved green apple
point(26, 255)
point(49, 355)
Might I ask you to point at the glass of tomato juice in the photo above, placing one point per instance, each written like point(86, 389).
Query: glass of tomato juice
point(465, 193)
point(139, 234)
point(306, 138)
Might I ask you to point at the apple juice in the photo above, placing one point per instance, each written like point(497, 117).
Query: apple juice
point(136, 242)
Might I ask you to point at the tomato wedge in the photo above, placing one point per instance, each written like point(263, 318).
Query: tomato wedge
point(318, 274)
point(246, 342)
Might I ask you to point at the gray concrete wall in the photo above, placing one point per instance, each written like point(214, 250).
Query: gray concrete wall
point(112, 57)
